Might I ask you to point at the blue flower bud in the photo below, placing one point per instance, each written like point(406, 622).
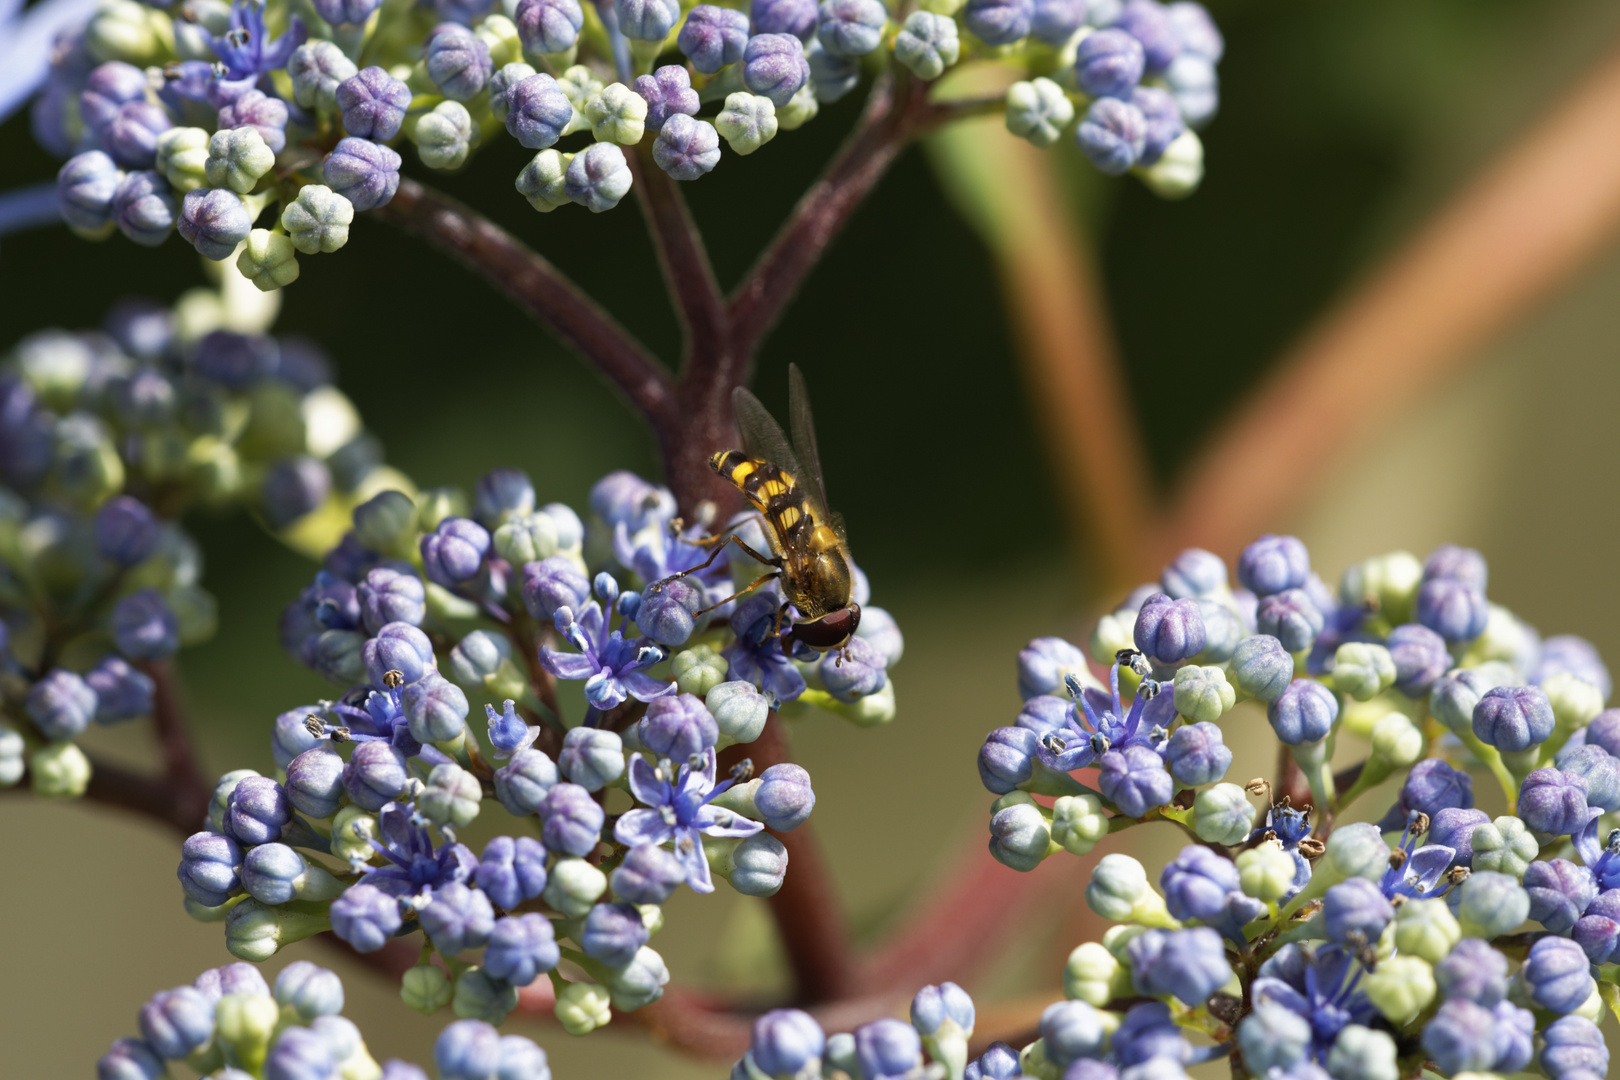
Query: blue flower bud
point(1453, 609)
point(375, 775)
point(685, 149)
point(126, 531)
point(309, 991)
point(522, 783)
point(552, 584)
point(1020, 836)
point(887, 1047)
point(107, 88)
point(262, 113)
point(257, 810)
point(1112, 135)
point(853, 27)
point(365, 917)
point(1304, 713)
point(1420, 658)
point(1169, 631)
point(668, 92)
point(1457, 563)
point(1573, 1046)
point(598, 177)
point(831, 74)
point(521, 949)
point(593, 758)
point(774, 67)
point(1553, 801)
point(1071, 1030)
point(373, 104)
point(714, 37)
point(1109, 63)
point(1195, 573)
point(457, 919)
point(758, 865)
point(467, 1050)
point(1274, 563)
point(511, 871)
point(1187, 964)
point(1148, 22)
point(237, 978)
point(998, 22)
point(315, 781)
point(61, 704)
point(1558, 975)
point(647, 20)
point(210, 867)
point(316, 68)
point(1513, 718)
point(1273, 1037)
point(457, 61)
point(364, 172)
point(784, 798)
point(648, 875)
point(130, 1059)
point(677, 726)
point(856, 672)
point(1473, 971)
point(538, 112)
point(935, 1007)
point(1197, 754)
point(1197, 883)
point(1291, 618)
point(435, 707)
point(275, 873)
point(131, 136)
point(1458, 1039)
point(144, 208)
point(613, 933)
point(787, 1042)
point(176, 1022)
point(399, 647)
point(1355, 907)
point(1044, 663)
point(571, 821)
point(548, 26)
point(85, 187)
point(1134, 780)
point(1593, 764)
point(1491, 904)
point(1007, 758)
point(387, 595)
point(1432, 786)
point(454, 552)
point(214, 221)
point(1560, 893)
point(1261, 667)
point(1453, 827)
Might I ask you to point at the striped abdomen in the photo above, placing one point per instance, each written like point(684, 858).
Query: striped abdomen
point(771, 491)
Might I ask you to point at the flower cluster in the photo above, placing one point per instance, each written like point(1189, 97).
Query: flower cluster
point(1360, 951)
point(428, 604)
point(258, 132)
point(230, 1025)
point(106, 439)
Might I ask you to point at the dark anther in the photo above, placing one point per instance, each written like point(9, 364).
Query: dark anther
point(1149, 690)
point(1054, 742)
point(393, 678)
point(1614, 840)
point(1258, 786)
point(341, 734)
point(1312, 848)
point(1285, 803)
point(1226, 1008)
point(741, 771)
point(1420, 824)
point(1269, 837)
point(1368, 956)
point(1397, 900)
point(1356, 939)
point(171, 71)
point(1100, 743)
point(239, 37)
point(1397, 858)
point(1126, 657)
point(314, 725)
point(1458, 874)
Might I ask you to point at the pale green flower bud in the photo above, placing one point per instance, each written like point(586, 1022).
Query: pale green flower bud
point(1222, 814)
point(353, 829)
point(388, 524)
point(245, 1024)
point(1203, 694)
point(196, 611)
point(542, 181)
point(1386, 584)
point(444, 136)
point(425, 988)
point(616, 114)
point(1111, 634)
point(530, 537)
point(13, 751)
point(318, 220)
point(1357, 851)
point(1574, 700)
point(1362, 1053)
point(451, 797)
point(435, 504)
point(578, 83)
point(698, 670)
point(1400, 988)
point(267, 259)
point(1039, 110)
point(738, 708)
point(1179, 170)
point(1117, 883)
point(747, 122)
point(481, 997)
point(1078, 823)
point(237, 158)
point(1426, 928)
point(1020, 834)
point(59, 770)
point(1397, 741)
point(1453, 698)
point(125, 30)
point(501, 35)
point(1266, 872)
point(255, 931)
point(1362, 670)
point(801, 108)
point(639, 983)
point(1591, 1008)
point(927, 44)
point(1091, 975)
point(1491, 904)
point(1508, 640)
point(582, 1008)
point(573, 886)
point(182, 158)
point(1504, 846)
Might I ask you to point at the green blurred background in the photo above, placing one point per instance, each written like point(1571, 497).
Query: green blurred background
point(1343, 124)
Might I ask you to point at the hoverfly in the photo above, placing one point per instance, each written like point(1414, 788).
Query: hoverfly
point(809, 551)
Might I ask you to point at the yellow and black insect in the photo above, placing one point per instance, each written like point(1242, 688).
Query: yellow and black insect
point(809, 551)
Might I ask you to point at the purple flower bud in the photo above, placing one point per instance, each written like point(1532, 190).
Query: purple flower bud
point(1304, 713)
point(1054, 22)
point(373, 104)
point(257, 110)
point(548, 26)
point(537, 112)
point(176, 1022)
point(668, 91)
point(1454, 828)
point(131, 136)
point(774, 67)
point(887, 1048)
point(435, 707)
point(784, 798)
point(238, 978)
point(270, 873)
point(1560, 893)
point(301, 1054)
point(1597, 931)
point(1473, 971)
point(1513, 718)
point(309, 990)
point(594, 758)
point(1576, 655)
point(467, 1049)
point(130, 1059)
point(85, 187)
point(387, 595)
point(796, 17)
point(934, 1006)
point(454, 552)
point(1197, 882)
point(1188, 964)
point(62, 704)
point(1007, 758)
point(598, 177)
point(364, 172)
point(210, 865)
point(1291, 618)
point(1431, 787)
point(1420, 658)
point(399, 647)
point(511, 871)
point(1574, 1045)
point(257, 811)
point(294, 487)
point(554, 583)
point(1558, 975)
point(1197, 754)
point(668, 609)
point(1457, 564)
point(1261, 667)
point(144, 208)
point(1134, 780)
point(338, 655)
point(571, 821)
point(855, 27)
point(1169, 631)
point(144, 627)
point(1147, 22)
point(289, 737)
point(1112, 135)
point(647, 20)
point(522, 948)
point(214, 221)
point(1591, 763)
point(1164, 123)
point(1604, 731)
point(1274, 563)
point(315, 781)
point(521, 784)
point(458, 919)
point(1355, 907)
point(613, 933)
point(1198, 32)
point(1553, 801)
point(108, 88)
point(999, 22)
point(352, 12)
point(1000, 1062)
point(856, 672)
point(677, 726)
point(786, 1042)
point(1453, 609)
point(1072, 1030)
point(1109, 63)
point(1458, 1039)
point(648, 875)
point(457, 61)
point(714, 37)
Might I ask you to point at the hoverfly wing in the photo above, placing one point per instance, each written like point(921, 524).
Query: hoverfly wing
point(803, 425)
point(762, 437)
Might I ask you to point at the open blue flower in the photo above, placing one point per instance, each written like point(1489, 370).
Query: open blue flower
point(247, 50)
point(756, 656)
point(1320, 985)
point(610, 663)
point(1603, 861)
point(1098, 722)
point(678, 812)
point(368, 715)
point(655, 554)
point(415, 867)
point(508, 734)
point(1418, 872)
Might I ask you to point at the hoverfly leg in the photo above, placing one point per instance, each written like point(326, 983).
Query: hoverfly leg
point(715, 554)
point(757, 583)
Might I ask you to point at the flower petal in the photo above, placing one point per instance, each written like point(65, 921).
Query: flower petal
point(639, 827)
point(644, 687)
point(567, 665)
point(719, 822)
